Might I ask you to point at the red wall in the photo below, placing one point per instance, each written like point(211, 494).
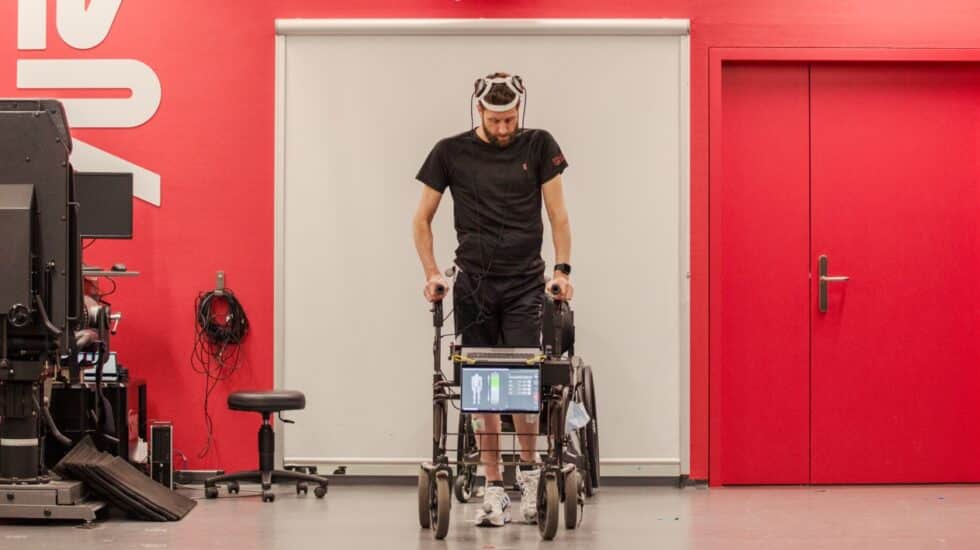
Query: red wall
point(212, 143)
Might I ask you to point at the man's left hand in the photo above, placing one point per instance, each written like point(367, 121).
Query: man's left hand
point(565, 286)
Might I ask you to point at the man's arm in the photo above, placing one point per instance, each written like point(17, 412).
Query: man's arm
point(422, 232)
point(561, 231)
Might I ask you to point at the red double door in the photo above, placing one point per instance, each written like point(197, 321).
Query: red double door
point(871, 373)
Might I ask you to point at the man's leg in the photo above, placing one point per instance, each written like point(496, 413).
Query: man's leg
point(479, 325)
point(527, 428)
point(521, 326)
point(487, 427)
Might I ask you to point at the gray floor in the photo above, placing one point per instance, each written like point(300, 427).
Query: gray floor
point(354, 517)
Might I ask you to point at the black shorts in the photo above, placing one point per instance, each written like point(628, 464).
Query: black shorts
point(492, 311)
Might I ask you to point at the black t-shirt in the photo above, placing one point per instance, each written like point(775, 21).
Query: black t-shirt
point(497, 197)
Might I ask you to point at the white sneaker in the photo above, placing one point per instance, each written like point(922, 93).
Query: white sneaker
point(529, 494)
point(496, 508)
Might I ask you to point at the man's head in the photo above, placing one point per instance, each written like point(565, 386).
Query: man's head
point(499, 103)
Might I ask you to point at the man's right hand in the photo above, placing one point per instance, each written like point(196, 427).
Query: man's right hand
point(435, 288)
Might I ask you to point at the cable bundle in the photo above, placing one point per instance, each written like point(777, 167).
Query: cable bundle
point(221, 327)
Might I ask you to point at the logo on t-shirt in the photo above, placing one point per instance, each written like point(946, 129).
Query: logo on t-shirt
point(557, 160)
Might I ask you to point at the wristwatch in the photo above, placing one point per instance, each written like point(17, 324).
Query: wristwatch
point(564, 268)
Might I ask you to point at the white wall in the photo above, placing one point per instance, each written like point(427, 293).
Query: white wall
point(357, 115)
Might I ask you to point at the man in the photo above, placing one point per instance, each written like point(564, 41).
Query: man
point(498, 174)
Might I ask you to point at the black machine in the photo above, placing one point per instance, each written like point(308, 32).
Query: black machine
point(71, 411)
point(51, 327)
point(162, 452)
point(548, 380)
point(113, 193)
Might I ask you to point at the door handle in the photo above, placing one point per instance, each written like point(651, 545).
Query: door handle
point(822, 267)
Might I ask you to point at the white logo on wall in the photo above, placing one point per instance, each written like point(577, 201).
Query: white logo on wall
point(85, 28)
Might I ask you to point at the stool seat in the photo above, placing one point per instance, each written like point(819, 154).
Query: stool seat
point(267, 401)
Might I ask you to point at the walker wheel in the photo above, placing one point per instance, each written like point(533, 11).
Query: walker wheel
point(424, 513)
point(548, 509)
point(572, 498)
point(440, 509)
point(463, 487)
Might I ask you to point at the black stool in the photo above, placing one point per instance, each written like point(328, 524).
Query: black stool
point(267, 403)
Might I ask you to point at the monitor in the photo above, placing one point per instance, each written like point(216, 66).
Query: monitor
point(500, 389)
point(105, 205)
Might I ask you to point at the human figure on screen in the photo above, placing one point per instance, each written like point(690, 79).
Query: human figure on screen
point(476, 384)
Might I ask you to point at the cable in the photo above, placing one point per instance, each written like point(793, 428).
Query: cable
point(480, 277)
point(216, 352)
point(101, 401)
point(101, 294)
point(49, 421)
point(182, 456)
point(480, 318)
point(524, 111)
point(480, 299)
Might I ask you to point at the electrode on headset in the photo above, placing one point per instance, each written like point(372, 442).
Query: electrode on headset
point(482, 87)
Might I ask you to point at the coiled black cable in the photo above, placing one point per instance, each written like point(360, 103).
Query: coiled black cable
point(221, 327)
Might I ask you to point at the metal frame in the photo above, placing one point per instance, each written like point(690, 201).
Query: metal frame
point(472, 27)
point(638, 27)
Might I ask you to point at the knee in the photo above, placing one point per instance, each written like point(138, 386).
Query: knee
point(478, 424)
point(486, 423)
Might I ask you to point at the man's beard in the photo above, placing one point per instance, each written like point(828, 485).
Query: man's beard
point(494, 140)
